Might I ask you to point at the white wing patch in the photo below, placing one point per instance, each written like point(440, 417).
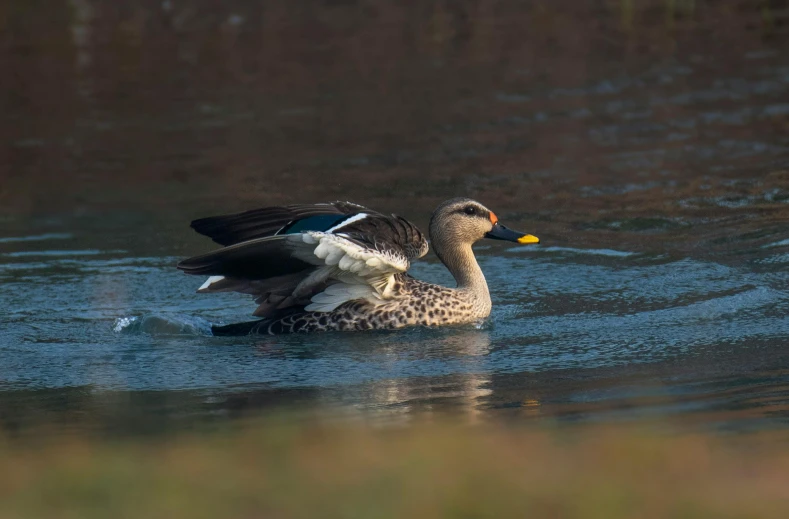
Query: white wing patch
point(339, 293)
point(336, 249)
point(210, 281)
point(362, 273)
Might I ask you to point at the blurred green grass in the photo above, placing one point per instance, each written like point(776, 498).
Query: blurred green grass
point(285, 469)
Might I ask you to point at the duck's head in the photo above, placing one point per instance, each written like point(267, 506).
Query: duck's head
point(463, 220)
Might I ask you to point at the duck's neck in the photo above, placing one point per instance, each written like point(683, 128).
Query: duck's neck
point(460, 260)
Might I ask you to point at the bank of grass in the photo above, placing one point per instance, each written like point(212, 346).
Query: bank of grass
point(276, 469)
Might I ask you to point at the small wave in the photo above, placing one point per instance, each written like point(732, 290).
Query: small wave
point(58, 253)
point(775, 259)
point(161, 325)
point(37, 237)
point(571, 250)
point(782, 243)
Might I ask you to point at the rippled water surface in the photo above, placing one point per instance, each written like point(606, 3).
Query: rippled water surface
point(650, 159)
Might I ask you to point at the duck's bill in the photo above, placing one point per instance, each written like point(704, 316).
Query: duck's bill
point(499, 232)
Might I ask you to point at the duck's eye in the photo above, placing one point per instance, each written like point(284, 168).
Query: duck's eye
point(470, 210)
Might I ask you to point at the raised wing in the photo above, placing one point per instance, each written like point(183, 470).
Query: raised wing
point(317, 261)
point(267, 221)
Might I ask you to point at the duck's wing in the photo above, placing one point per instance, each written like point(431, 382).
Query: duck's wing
point(318, 261)
point(389, 235)
point(258, 223)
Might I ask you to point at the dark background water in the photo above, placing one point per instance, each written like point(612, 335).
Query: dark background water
point(646, 143)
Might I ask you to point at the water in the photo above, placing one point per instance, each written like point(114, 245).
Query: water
point(651, 162)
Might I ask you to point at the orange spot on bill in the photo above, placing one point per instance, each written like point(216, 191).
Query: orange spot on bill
point(493, 218)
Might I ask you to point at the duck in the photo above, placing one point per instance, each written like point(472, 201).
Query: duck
point(340, 266)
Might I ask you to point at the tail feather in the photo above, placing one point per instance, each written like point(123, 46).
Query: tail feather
point(265, 268)
point(271, 294)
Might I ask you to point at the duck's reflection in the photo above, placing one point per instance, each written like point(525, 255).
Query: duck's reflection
point(463, 393)
point(398, 377)
point(420, 374)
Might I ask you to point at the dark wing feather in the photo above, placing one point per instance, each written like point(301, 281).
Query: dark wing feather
point(263, 267)
point(259, 223)
point(387, 233)
point(258, 259)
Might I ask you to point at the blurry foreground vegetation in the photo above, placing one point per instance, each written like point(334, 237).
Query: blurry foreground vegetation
point(285, 470)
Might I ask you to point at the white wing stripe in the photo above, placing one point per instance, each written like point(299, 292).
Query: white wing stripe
point(348, 221)
point(210, 281)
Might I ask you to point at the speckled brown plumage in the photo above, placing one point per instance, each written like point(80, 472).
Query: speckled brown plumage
point(416, 303)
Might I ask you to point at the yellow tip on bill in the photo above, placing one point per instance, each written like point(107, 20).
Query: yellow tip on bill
point(528, 238)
